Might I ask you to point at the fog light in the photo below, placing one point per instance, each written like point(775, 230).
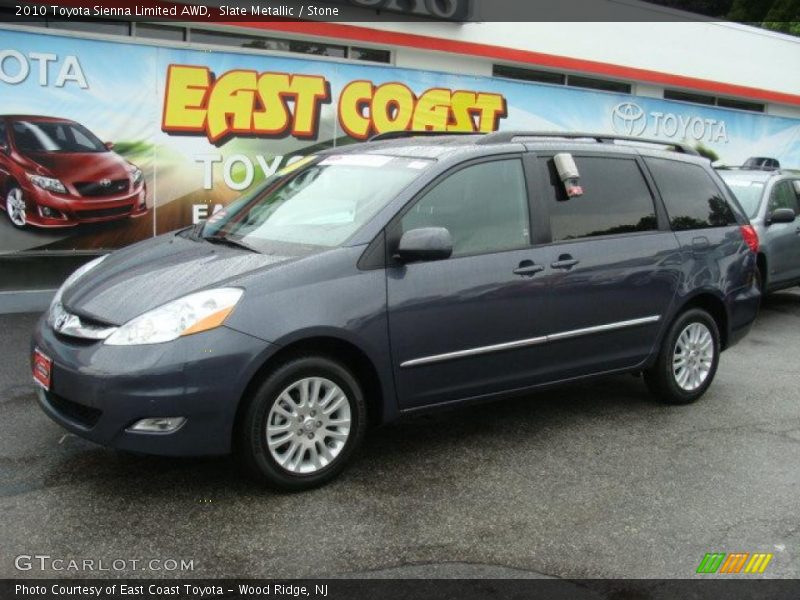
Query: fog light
point(158, 424)
point(50, 213)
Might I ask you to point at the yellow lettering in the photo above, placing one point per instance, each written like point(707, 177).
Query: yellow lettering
point(184, 98)
point(233, 95)
point(353, 100)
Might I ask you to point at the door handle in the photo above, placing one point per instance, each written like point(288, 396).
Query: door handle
point(528, 268)
point(564, 262)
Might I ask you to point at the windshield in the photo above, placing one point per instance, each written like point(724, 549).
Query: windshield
point(54, 136)
point(748, 193)
point(321, 203)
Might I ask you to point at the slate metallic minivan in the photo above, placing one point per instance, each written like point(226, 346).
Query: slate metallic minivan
point(406, 273)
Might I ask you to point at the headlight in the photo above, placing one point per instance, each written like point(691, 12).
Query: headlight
point(136, 175)
point(191, 314)
point(47, 183)
point(74, 277)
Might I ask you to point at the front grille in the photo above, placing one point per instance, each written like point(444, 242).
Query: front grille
point(83, 415)
point(96, 188)
point(99, 213)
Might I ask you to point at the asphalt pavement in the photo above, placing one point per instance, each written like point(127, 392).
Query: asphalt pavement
point(592, 480)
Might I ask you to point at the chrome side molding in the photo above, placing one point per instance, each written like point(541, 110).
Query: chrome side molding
point(535, 341)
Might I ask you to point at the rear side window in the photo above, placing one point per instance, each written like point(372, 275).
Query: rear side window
point(783, 196)
point(692, 199)
point(3, 133)
point(484, 206)
point(615, 200)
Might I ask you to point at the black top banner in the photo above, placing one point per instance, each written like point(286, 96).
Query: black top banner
point(443, 11)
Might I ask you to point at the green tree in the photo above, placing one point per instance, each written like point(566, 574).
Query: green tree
point(750, 11)
point(784, 16)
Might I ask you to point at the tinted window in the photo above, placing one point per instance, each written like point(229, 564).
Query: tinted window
point(615, 200)
point(3, 136)
point(54, 136)
point(485, 208)
point(783, 196)
point(160, 32)
point(692, 199)
point(370, 54)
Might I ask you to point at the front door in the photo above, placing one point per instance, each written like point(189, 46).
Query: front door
point(473, 324)
point(783, 239)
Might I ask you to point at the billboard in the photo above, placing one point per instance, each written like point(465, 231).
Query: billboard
point(109, 142)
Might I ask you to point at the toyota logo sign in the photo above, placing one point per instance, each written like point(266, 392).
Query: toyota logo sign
point(628, 118)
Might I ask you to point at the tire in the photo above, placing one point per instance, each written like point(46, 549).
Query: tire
point(15, 213)
point(693, 331)
point(293, 444)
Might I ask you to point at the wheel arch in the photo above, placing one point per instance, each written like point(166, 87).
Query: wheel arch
point(11, 181)
point(332, 346)
point(713, 305)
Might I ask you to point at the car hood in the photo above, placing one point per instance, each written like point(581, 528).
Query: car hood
point(148, 274)
point(71, 167)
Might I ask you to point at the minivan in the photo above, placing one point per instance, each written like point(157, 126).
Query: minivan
point(400, 275)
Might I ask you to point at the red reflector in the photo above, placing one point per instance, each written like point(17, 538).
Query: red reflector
point(750, 237)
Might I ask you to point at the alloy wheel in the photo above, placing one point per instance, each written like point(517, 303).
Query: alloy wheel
point(15, 207)
point(308, 425)
point(693, 356)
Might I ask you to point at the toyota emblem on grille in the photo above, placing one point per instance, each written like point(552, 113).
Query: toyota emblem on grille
point(105, 182)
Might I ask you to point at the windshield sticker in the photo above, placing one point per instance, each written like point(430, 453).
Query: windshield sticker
point(357, 160)
point(418, 164)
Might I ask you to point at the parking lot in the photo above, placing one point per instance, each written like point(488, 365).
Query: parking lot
point(594, 480)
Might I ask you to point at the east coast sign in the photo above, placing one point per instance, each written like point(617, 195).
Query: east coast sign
point(629, 118)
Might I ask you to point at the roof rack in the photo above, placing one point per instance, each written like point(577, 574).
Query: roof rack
point(394, 135)
point(500, 137)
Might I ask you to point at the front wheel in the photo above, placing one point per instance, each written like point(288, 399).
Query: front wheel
point(688, 359)
point(15, 207)
point(303, 424)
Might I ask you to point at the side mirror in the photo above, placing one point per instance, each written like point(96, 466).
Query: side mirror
point(109, 145)
point(425, 243)
point(781, 215)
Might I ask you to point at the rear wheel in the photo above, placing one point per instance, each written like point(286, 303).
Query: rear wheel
point(15, 207)
point(303, 423)
point(688, 359)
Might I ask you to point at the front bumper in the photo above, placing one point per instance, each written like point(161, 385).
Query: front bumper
point(76, 210)
point(98, 391)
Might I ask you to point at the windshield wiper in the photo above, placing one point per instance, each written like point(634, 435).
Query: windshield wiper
point(214, 239)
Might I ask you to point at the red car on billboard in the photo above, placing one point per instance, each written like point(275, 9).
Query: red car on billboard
point(56, 173)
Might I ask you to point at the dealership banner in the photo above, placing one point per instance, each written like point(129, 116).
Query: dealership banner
point(108, 143)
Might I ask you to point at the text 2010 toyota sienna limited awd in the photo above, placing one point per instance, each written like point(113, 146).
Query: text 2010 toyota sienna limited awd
point(395, 276)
